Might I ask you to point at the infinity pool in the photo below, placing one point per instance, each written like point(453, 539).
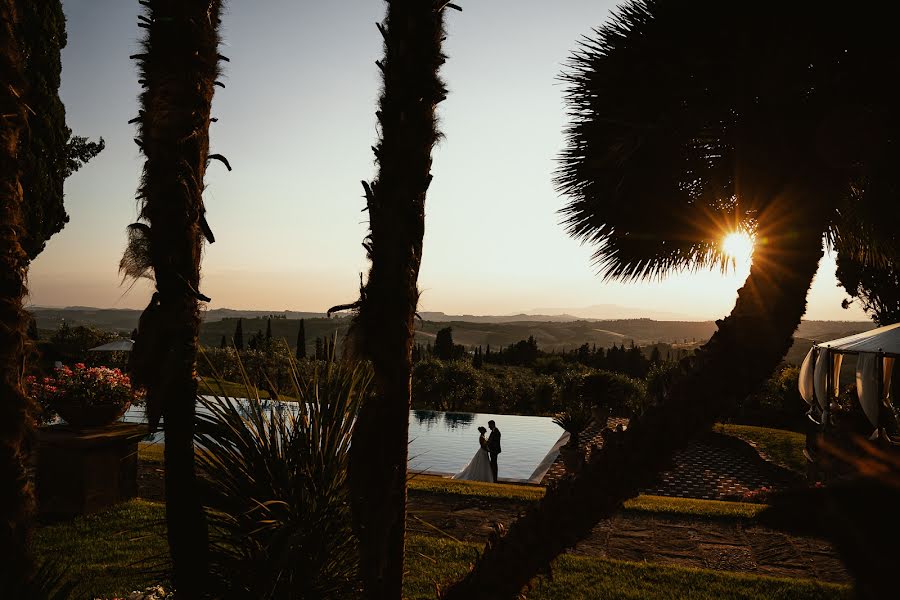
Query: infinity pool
point(444, 442)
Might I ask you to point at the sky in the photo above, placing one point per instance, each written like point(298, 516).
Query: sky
point(296, 121)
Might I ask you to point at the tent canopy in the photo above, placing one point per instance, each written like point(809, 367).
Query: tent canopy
point(877, 350)
point(884, 339)
point(116, 346)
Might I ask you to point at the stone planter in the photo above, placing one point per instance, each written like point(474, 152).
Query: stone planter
point(80, 471)
point(80, 416)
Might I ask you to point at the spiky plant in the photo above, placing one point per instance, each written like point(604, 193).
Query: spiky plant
point(179, 66)
point(16, 420)
point(382, 330)
point(689, 120)
point(276, 489)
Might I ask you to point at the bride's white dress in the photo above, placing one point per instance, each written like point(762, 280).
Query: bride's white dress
point(479, 468)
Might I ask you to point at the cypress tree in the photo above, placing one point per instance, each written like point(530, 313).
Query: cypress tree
point(319, 349)
point(49, 153)
point(224, 342)
point(269, 329)
point(477, 359)
point(301, 341)
point(239, 335)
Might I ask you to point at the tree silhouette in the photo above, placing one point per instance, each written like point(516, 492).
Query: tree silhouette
point(178, 65)
point(16, 493)
point(689, 120)
point(443, 344)
point(301, 341)
point(382, 330)
point(268, 330)
point(876, 286)
point(239, 335)
point(49, 153)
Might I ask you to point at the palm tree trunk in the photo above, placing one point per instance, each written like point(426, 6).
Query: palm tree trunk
point(16, 491)
point(178, 70)
point(745, 349)
point(383, 328)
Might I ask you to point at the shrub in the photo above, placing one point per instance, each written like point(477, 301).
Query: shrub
point(275, 488)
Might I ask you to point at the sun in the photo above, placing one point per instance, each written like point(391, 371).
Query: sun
point(738, 245)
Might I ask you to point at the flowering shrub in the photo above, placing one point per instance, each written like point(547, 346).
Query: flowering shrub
point(89, 386)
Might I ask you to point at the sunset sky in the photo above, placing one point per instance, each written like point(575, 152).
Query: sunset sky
point(296, 121)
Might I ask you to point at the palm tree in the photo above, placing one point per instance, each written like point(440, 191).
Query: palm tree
point(690, 120)
point(16, 491)
point(178, 69)
point(383, 327)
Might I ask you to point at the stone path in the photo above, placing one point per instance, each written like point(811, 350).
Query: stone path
point(724, 545)
point(715, 467)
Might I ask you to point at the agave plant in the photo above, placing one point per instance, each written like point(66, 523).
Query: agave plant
point(275, 488)
point(574, 419)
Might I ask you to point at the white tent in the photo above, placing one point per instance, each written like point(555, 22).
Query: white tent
point(876, 351)
point(116, 346)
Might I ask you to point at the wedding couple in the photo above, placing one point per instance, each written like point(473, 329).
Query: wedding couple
point(483, 466)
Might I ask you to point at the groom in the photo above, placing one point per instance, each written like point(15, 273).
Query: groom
point(493, 447)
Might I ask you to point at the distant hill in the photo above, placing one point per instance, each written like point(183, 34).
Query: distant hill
point(607, 312)
point(556, 332)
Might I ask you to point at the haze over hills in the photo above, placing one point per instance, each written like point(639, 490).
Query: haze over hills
point(555, 332)
point(607, 312)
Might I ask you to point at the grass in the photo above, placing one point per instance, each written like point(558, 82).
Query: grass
point(108, 552)
point(714, 509)
point(210, 386)
point(782, 447)
point(435, 562)
point(660, 505)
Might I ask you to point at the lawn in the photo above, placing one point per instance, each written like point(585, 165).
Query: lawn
point(644, 504)
point(782, 447)
point(431, 484)
point(110, 551)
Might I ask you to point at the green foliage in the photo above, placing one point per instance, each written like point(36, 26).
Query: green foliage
point(876, 286)
point(624, 395)
point(269, 367)
point(275, 488)
point(71, 345)
point(49, 153)
point(450, 386)
point(777, 403)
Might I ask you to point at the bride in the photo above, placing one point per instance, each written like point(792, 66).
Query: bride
point(479, 468)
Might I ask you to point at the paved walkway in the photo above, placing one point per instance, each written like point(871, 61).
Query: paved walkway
point(724, 545)
point(714, 467)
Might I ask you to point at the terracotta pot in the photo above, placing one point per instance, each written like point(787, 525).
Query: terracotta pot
point(80, 416)
point(572, 457)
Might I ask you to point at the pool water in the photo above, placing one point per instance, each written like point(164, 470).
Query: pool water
point(444, 442)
